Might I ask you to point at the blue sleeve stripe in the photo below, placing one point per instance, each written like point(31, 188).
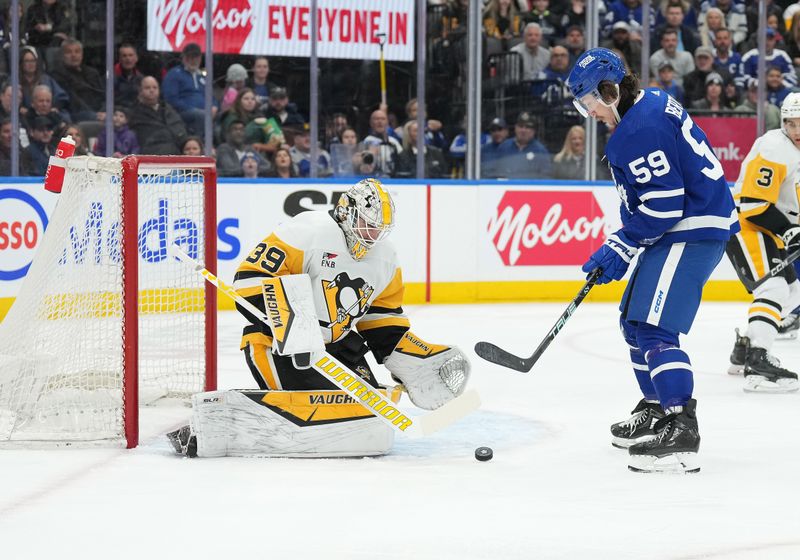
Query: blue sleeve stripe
point(661, 194)
point(661, 215)
point(699, 222)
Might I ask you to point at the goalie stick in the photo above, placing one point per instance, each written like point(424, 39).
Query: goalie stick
point(497, 355)
point(353, 384)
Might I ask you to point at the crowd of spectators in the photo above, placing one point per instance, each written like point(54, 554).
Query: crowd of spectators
point(704, 53)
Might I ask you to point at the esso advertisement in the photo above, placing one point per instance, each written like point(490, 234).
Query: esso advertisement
point(23, 219)
point(547, 227)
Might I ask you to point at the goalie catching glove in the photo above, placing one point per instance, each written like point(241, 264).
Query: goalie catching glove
point(432, 374)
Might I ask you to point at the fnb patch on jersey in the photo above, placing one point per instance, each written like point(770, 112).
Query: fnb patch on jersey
point(327, 259)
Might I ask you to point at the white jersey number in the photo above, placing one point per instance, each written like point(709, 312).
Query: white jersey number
point(702, 150)
point(656, 160)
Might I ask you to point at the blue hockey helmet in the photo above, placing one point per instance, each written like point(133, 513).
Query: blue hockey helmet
point(592, 67)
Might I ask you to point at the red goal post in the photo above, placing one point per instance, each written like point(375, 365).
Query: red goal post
point(106, 318)
point(131, 165)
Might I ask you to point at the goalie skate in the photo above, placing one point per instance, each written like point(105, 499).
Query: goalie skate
point(764, 374)
point(183, 441)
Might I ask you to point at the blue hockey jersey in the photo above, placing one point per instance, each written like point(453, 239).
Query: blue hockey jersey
point(671, 184)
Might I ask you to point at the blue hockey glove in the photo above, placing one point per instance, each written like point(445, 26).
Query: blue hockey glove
point(613, 257)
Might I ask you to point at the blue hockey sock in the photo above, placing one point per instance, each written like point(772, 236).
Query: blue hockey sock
point(671, 372)
point(642, 372)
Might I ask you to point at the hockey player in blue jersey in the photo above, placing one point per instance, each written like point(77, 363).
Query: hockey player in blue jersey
point(677, 215)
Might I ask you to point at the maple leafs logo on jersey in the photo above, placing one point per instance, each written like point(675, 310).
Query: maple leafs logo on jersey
point(347, 300)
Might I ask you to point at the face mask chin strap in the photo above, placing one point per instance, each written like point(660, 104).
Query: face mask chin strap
point(613, 105)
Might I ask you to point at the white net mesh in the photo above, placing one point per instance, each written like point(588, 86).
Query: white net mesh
point(61, 345)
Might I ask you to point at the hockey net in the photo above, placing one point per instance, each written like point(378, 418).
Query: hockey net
point(106, 315)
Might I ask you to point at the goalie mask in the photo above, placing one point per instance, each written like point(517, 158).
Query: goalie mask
point(365, 213)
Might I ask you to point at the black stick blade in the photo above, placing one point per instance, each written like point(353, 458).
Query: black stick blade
point(497, 355)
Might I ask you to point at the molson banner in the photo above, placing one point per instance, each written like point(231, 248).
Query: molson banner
point(346, 28)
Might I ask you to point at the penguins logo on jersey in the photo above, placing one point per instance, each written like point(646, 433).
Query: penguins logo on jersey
point(346, 299)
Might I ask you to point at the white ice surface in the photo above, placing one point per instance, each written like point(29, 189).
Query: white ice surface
point(555, 488)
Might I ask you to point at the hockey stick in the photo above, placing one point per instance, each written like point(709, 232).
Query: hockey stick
point(773, 272)
point(353, 384)
point(497, 355)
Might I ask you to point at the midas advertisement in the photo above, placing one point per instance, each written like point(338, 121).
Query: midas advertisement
point(473, 242)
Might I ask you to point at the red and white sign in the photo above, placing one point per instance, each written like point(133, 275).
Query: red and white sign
point(547, 228)
point(346, 28)
point(731, 139)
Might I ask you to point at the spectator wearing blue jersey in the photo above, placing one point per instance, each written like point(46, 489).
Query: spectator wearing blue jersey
point(523, 157)
point(774, 57)
point(725, 57)
point(666, 81)
point(551, 83)
point(677, 216)
point(776, 88)
point(498, 132)
point(184, 89)
point(458, 151)
point(629, 11)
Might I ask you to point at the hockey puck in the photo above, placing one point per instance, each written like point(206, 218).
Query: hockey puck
point(484, 454)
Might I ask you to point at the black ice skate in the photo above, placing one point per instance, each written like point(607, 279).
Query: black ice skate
point(788, 328)
point(739, 354)
point(763, 374)
point(637, 428)
point(183, 441)
point(674, 448)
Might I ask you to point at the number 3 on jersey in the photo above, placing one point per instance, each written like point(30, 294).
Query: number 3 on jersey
point(273, 257)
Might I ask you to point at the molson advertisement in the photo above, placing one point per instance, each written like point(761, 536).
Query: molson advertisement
point(345, 28)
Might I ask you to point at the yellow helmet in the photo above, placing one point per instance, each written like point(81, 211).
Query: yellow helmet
point(365, 213)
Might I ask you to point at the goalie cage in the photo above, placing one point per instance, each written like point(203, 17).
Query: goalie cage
point(105, 315)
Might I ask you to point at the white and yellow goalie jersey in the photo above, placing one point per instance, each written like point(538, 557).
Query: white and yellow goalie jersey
point(365, 295)
point(769, 175)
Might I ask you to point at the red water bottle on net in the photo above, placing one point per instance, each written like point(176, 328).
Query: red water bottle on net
point(57, 167)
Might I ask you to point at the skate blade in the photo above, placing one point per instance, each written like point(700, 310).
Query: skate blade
point(623, 443)
point(787, 336)
point(760, 384)
point(675, 463)
point(736, 370)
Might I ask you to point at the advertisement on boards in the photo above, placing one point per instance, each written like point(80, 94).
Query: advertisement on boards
point(527, 231)
point(346, 28)
point(731, 139)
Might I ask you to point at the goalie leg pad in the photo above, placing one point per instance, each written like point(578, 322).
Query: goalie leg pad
point(432, 374)
point(286, 424)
